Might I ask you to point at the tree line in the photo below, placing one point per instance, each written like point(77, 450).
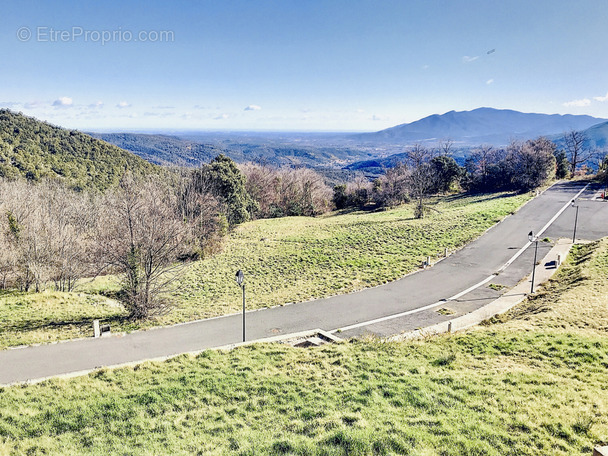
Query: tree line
point(145, 229)
point(522, 166)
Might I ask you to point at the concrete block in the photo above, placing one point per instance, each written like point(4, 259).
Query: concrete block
point(96, 331)
point(600, 451)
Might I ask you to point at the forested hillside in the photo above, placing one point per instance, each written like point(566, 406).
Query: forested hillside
point(163, 149)
point(35, 149)
point(192, 150)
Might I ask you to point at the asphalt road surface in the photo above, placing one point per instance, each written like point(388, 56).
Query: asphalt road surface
point(371, 310)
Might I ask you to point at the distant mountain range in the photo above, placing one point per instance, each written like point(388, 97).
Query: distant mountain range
point(183, 151)
point(36, 149)
point(596, 138)
point(480, 126)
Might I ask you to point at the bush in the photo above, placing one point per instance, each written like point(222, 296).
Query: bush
point(279, 192)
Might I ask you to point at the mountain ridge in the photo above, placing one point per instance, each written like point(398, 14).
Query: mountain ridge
point(482, 125)
point(36, 150)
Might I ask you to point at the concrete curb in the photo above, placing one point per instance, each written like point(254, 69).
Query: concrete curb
point(274, 339)
point(499, 306)
point(283, 337)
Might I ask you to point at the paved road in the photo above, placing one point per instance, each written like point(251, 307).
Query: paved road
point(447, 279)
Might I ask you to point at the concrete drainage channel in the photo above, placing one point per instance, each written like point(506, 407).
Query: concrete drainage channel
point(303, 339)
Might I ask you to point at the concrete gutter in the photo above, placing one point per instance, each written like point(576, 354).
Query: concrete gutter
point(544, 271)
point(324, 336)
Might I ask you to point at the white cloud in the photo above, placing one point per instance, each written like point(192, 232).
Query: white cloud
point(34, 105)
point(376, 118)
point(63, 102)
point(602, 99)
point(252, 108)
point(578, 103)
point(123, 104)
point(97, 104)
point(468, 59)
point(221, 117)
point(490, 81)
point(425, 67)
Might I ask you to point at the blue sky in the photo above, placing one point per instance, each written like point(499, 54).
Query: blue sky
point(301, 65)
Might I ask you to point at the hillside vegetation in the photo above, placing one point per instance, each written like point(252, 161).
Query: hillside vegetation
point(192, 150)
point(163, 149)
point(534, 383)
point(35, 150)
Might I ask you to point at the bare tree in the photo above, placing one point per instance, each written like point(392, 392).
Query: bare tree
point(201, 211)
point(445, 147)
point(576, 151)
point(421, 179)
point(531, 164)
point(46, 227)
point(391, 189)
point(483, 158)
point(287, 191)
point(141, 238)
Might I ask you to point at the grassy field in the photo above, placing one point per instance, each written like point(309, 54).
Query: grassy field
point(532, 382)
point(285, 260)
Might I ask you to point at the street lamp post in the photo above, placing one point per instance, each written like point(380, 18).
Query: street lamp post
point(240, 279)
point(533, 238)
point(575, 220)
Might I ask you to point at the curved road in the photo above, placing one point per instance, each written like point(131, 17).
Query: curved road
point(371, 310)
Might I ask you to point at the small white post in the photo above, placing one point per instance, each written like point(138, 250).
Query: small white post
point(428, 260)
point(445, 253)
point(96, 331)
point(449, 326)
point(559, 259)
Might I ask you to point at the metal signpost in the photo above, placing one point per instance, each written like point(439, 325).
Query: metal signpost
point(240, 279)
point(533, 238)
point(575, 220)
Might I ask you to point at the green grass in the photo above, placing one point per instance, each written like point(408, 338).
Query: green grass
point(488, 393)
point(285, 260)
point(532, 382)
point(32, 318)
point(295, 259)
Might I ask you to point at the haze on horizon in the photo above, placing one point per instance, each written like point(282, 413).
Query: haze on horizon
point(298, 66)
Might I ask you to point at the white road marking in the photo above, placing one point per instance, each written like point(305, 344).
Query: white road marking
point(468, 290)
point(542, 230)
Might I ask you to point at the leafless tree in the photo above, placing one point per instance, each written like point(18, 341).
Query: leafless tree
point(576, 151)
point(483, 157)
point(201, 211)
point(391, 189)
point(445, 147)
point(531, 164)
point(287, 191)
point(141, 238)
point(46, 228)
point(28, 233)
point(421, 179)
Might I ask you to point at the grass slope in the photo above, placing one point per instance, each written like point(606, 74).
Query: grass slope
point(284, 260)
point(532, 383)
point(295, 259)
